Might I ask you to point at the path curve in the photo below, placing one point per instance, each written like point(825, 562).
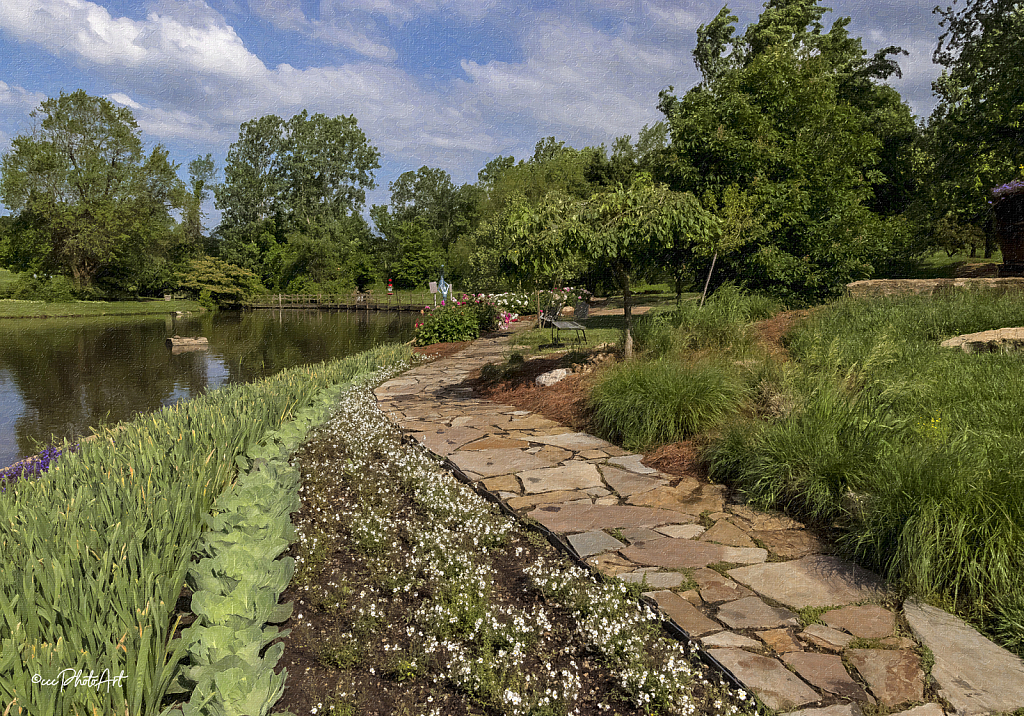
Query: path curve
point(735, 579)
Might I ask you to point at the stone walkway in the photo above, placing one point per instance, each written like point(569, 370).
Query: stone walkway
point(731, 577)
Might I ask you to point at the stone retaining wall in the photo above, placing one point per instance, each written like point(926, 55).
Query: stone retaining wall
point(928, 286)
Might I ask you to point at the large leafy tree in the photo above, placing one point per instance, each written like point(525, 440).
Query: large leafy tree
point(88, 201)
point(976, 132)
point(289, 187)
point(625, 229)
point(795, 119)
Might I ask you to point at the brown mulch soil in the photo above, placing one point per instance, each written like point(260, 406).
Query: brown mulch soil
point(771, 333)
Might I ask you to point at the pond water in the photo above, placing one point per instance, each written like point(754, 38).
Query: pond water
point(61, 376)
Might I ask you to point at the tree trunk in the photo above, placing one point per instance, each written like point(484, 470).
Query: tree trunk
point(627, 312)
point(679, 284)
point(707, 281)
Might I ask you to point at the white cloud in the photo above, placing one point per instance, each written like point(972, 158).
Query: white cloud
point(338, 30)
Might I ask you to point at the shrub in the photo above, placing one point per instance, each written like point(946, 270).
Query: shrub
point(641, 404)
point(54, 289)
point(723, 321)
point(448, 324)
point(653, 336)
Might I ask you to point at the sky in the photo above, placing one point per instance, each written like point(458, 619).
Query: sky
point(440, 83)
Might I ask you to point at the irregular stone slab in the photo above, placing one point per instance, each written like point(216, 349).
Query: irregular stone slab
point(790, 544)
point(813, 581)
point(581, 518)
point(632, 463)
point(502, 483)
point(868, 622)
point(729, 639)
point(495, 443)
point(826, 671)
point(826, 637)
point(449, 440)
point(763, 520)
point(994, 341)
point(681, 531)
point(639, 534)
point(552, 376)
point(716, 588)
point(490, 463)
point(593, 454)
point(519, 502)
point(553, 454)
point(777, 686)
point(694, 502)
point(725, 532)
point(892, 676)
point(420, 426)
point(752, 613)
point(573, 476)
point(683, 553)
point(610, 564)
point(898, 642)
point(628, 483)
point(973, 674)
point(594, 542)
point(925, 710)
point(481, 420)
point(573, 441)
point(779, 640)
point(531, 422)
point(655, 580)
point(834, 710)
point(687, 616)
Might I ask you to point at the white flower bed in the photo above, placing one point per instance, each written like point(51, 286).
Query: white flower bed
point(420, 533)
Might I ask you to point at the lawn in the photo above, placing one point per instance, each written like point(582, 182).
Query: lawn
point(10, 308)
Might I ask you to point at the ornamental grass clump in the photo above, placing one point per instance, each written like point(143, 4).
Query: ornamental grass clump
point(909, 450)
point(641, 404)
point(723, 322)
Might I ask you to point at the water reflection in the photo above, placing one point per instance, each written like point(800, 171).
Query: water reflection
point(61, 376)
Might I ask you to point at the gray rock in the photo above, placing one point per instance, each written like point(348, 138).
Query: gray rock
point(974, 675)
point(729, 639)
point(552, 376)
point(595, 542)
point(572, 441)
point(777, 686)
point(813, 581)
point(632, 463)
point(572, 476)
point(752, 613)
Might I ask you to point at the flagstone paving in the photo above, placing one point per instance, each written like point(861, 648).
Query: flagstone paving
point(732, 577)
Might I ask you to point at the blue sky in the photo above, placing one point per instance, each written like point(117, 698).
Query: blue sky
point(443, 83)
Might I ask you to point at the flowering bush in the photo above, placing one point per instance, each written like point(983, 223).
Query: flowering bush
point(448, 324)
point(568, 296)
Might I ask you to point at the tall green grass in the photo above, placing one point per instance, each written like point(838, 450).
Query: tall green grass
point(95, 552)
point(640, 404)
point(912, 450)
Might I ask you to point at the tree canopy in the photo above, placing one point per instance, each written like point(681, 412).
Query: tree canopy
point(88, 201)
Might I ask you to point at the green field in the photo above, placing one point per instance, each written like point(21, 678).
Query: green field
point(10, 308)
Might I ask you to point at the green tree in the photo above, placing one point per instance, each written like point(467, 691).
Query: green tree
point(975, 134)
point(794, 117)
point(202, 174)
point(625, 229)
point(224, 283)
point(87, 200)
point(290, 192)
